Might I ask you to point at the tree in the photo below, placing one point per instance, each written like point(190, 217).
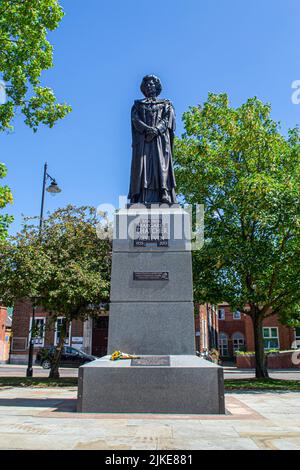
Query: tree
point(5, 198)
point(247, 174)
point(24, 54)
point(66, 269)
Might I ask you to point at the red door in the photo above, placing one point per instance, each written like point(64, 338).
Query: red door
point(100, 336)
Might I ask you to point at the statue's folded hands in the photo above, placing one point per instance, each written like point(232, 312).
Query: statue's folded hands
point(151, 134)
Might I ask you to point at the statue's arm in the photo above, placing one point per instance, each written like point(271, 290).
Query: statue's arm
point(138, 124)
point(167, 120)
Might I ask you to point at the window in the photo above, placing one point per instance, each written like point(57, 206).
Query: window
point(271, 339)
point(238, 340)
point(297, 333)
point(209, 319)
point(101, 323)
point(236, 315)
point(58, 324)
point(204, 335)
point(221, 314)
point(37, 331)
point(223, 344)
point(18, 344)
point(69, 350)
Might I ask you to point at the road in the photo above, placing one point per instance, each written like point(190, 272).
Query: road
point(10, 370)
point(286, 374)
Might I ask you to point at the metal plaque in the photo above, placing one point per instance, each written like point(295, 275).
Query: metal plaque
point(146, 276)
point(148, 361)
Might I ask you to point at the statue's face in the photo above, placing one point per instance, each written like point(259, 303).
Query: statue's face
point(150, 88)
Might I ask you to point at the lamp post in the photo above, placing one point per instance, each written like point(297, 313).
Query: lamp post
point(53, 189)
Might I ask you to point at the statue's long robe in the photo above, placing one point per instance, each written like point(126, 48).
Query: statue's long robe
point(152, 175)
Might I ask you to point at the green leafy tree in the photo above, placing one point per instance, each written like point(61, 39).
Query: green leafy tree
point(5, 198)
point(247, 174)
point(24, 54)
point(65, 269)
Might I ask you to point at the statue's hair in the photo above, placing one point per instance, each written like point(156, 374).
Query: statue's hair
point(156, 81)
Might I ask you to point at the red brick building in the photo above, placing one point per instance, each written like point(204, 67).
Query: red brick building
point(92, 335)
point(3, 315)
point(5, 335)
point(81, 335)
point(206, 327)
point(216, 327)
point(236, 333)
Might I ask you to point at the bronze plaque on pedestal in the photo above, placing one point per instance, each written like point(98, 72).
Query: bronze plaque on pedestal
point(147, 276)
point(148, 361)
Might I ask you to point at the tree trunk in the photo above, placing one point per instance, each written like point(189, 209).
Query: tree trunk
point(261, 370)
point(54, 371)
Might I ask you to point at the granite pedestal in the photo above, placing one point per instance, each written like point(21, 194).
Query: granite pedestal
point(152, 314)
point(189, 385)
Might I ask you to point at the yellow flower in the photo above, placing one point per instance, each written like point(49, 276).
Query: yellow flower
point(115, 355)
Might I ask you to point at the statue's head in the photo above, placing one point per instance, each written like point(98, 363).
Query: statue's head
point(151, 86)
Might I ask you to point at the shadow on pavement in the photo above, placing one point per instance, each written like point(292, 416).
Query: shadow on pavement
point(67, 404)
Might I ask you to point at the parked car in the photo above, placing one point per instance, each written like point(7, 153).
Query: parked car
point(70, 357)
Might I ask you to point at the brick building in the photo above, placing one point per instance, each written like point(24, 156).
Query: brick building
point(206, 327)
point(5, 334)
point(92, 335)
point(215, 328)
point(3, 315)
point(81, 335)
point(236, 333)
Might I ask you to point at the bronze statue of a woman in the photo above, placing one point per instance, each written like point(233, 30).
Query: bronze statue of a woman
point(153, 126)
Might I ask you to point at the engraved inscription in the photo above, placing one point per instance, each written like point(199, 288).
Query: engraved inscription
point(147, 276)
point(151, 230)
point(148, 361)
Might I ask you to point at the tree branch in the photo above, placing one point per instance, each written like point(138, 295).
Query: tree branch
point(8, 40)
point(286, 302)
point(10, 4)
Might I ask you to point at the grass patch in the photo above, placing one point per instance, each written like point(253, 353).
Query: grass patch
point(40, 382)
point(262, 384)
point(230, 384)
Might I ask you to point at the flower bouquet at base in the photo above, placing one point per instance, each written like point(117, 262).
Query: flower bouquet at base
point(120, 355)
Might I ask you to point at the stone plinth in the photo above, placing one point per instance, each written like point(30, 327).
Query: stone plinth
point(175, 221)
point(178, 288)
point(190, 385)
point(152, 328)
point(152, 314)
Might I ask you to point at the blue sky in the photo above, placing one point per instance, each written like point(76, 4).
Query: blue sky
point(102, 49)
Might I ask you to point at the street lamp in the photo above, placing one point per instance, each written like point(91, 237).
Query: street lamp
point(53, 189)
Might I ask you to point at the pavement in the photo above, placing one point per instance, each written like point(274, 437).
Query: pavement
point(12, 370)
point(46, 418)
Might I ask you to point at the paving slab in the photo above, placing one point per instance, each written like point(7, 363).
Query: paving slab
point(46, 419)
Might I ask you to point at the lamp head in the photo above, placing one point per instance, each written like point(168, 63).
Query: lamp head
point(53, 188)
